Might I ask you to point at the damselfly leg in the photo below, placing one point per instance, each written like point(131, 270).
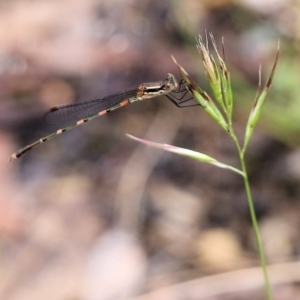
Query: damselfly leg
point(182, 91)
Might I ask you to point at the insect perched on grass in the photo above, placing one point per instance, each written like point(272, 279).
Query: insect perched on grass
point(85, 111)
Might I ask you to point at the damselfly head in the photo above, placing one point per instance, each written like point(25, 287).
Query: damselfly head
point(170, 82)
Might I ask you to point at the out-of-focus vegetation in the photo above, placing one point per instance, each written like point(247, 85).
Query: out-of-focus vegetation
point(91, 215)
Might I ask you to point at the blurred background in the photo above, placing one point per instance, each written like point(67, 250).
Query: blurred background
point(92, 214)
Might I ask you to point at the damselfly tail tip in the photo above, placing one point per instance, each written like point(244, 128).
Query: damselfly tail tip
point(13, 157)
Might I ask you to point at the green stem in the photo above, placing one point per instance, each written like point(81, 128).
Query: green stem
point(253, 216)
point(255, 227)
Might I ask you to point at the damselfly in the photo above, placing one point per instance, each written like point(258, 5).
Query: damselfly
point(83, 112)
